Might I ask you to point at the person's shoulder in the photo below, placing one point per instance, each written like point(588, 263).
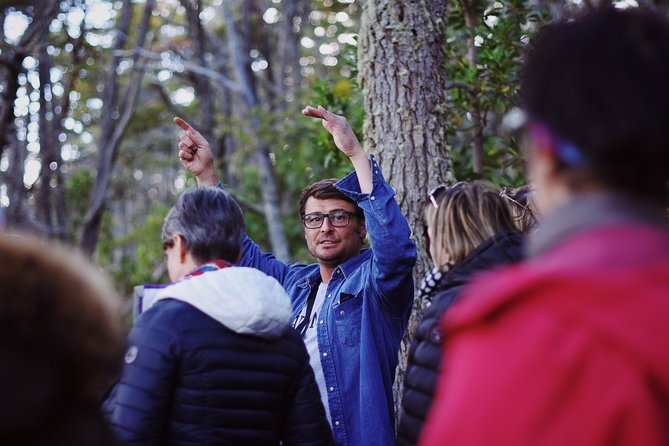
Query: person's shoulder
point(168, 315)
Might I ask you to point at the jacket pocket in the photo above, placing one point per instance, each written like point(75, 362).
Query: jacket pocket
point(348, 319)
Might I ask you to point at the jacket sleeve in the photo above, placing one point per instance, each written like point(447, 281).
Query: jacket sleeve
point(254, 257)
point(143, 395)
point(394, 253)
point(305, 422)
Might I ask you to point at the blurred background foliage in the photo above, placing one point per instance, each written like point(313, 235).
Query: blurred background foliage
point(151, 60)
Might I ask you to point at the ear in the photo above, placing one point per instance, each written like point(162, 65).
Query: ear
point(543, 167)
point(542, 153)
point(180, 247)
point(362, 229)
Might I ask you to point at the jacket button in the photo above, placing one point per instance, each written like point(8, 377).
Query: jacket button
point(331, 389)
point(322, 321)
point(336, 423)
point(325, 353)
point(435, 335)
point(372, 197)
point(342, 312)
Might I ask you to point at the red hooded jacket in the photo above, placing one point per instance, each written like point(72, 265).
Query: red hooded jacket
point(569, 349)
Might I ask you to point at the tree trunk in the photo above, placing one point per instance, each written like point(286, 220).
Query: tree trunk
point(10, 70)
point(114, 122)
point(268, 184)
point(203, 90)
point(289, 75)
point(12, 59)
point(477, 118)
point(402, 73)
point(48, 141)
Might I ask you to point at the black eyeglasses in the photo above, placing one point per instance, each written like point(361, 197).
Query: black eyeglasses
point(338, 219)
point(439, 190)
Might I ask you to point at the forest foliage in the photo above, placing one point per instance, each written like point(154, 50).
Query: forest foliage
point(89, 89)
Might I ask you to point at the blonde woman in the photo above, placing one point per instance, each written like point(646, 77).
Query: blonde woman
point(469, 229)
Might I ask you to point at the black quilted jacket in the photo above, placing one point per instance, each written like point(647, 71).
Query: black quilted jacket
point(425, 350)
point(191, 380)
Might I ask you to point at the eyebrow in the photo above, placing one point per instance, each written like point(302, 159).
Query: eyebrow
point(331, 210)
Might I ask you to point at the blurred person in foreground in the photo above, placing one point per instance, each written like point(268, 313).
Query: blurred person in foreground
point(469, 229)
point(61, 345)
point(214, 359)
point(571, 346)
point(352, 306)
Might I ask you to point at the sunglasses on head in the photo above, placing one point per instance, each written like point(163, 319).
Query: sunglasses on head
point(439, 191)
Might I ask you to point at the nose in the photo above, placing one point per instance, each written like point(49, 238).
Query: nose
point(327, 225)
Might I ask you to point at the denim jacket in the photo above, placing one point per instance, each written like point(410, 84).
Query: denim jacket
point(363, 319)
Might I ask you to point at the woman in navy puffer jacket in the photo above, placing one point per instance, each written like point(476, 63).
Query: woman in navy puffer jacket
point(214, 360)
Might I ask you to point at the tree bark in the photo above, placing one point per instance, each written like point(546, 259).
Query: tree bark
point(402, 73)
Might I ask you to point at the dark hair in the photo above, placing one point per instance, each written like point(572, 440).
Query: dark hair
point(601, 83)
point(323, 190)
point(61, 343)
point(210, 221)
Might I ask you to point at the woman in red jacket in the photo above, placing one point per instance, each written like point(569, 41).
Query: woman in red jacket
point(570, 347)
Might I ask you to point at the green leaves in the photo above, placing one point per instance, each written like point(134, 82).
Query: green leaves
point(484, 63)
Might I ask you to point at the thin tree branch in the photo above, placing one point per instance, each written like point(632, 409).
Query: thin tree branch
point(190, 66)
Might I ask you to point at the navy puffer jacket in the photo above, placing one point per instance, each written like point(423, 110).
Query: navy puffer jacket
point(425, 350)
point(214, 361)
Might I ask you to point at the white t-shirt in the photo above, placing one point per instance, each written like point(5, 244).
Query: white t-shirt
point(311, 341)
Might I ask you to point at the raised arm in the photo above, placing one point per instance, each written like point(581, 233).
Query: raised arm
point(196, 155)
point(347, 142)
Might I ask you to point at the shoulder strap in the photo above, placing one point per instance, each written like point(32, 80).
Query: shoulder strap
point(302, 326)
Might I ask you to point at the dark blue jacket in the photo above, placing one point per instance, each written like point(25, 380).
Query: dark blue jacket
point(425, 350)
point(210, 363)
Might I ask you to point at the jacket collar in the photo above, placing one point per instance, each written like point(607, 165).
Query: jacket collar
point(505, 247)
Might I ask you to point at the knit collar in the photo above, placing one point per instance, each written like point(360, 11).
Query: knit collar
point(435, 280)
point(211, 265)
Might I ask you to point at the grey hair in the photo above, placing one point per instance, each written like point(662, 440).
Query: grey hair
point(210, 222)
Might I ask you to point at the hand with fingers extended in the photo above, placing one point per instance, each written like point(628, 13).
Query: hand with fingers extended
point(339, 128)
point(346, 141)
point(195, 154)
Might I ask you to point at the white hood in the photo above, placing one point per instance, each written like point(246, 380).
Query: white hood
point(243, 299)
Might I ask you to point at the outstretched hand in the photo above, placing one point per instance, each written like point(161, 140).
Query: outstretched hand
point(339, 128)
point(195, 154)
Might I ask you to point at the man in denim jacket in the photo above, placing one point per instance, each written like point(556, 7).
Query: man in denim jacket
point(351, 307)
